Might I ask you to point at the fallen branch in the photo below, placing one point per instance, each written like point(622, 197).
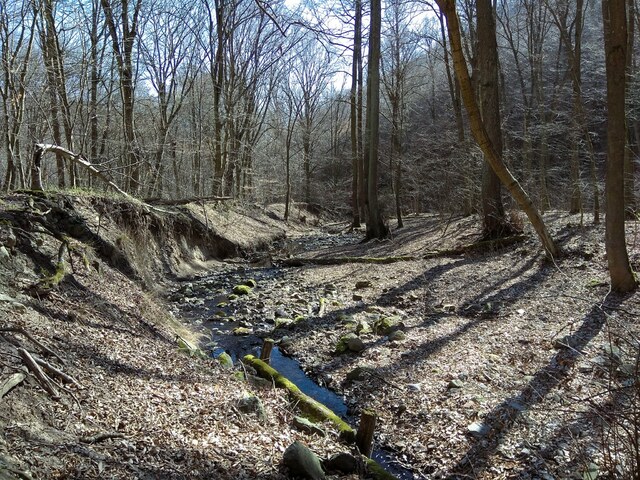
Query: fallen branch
point(101, 437)
point(32, 340)
point(7, 385)
point(55, 372)
point(36, 169)
point(485, 245)
point(78, 158)
point(35, 369)
point(184, 201)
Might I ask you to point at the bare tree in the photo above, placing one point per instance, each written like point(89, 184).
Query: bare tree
point(17, 32)
point(448, 7)
point(614, 17)
point(122, 20)
point(398, 55)
point(172, 62)
point(376, 227)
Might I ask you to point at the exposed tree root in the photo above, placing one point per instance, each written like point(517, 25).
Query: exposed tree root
point(43, 371)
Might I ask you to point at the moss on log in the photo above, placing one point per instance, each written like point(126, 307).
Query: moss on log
point(375, 471)
point(304, 402)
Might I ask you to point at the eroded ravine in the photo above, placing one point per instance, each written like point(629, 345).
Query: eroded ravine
point(276, 304)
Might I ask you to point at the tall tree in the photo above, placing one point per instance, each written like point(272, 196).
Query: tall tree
point(17, 32)
point(614, 16)
point(398, 54)
point(479, 132)
point(493, 217)
point(376, 227)
point(355, 120)
point(123, 32)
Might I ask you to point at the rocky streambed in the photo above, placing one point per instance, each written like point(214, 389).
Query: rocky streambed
point(238, 306)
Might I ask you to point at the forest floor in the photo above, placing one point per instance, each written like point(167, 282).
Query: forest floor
point(509, 364)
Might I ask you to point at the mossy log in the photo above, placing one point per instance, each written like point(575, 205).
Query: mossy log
point(304, 402)
point(316, 409)
point(375, 471)
point(481, 246)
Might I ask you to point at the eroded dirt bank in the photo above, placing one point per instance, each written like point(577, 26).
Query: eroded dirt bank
point(80, 279)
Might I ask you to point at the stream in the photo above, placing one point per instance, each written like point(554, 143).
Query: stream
point(205, 301)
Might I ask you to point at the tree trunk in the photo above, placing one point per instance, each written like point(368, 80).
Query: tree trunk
point(494, 222)
point(615, 38)
point(376, 227)
point(480, 134)
point(629, 166)
point(355, 151)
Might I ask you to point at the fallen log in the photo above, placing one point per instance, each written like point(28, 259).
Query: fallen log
point(484, 245)
point(184, 201)
point(315, 409)
point(301, 261)
point(305, 402)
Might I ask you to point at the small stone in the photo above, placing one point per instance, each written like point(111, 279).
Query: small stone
point(363, 327)
point(344, 463)
point(242, 290)
point(414, 387)
point(225, 360)
point(478, 429)
point(4, 254)
point(242, 331)
point(455, 383)
point(250, 283)
point(358, 373)
point(302, 462)
point(360, 284)
point(388, 325)
point(350, 342)
point(308, 426)
point(285, 343)
point(252, 404)
point(283, 322)
point(357, 298)
point(397, 336)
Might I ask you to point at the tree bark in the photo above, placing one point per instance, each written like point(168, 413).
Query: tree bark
point(480, 134)
point(355, 150)
point(493, 216)
point(615, 39)
point(376, 228)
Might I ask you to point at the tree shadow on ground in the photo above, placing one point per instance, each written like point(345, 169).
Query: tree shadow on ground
point(501, 419)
